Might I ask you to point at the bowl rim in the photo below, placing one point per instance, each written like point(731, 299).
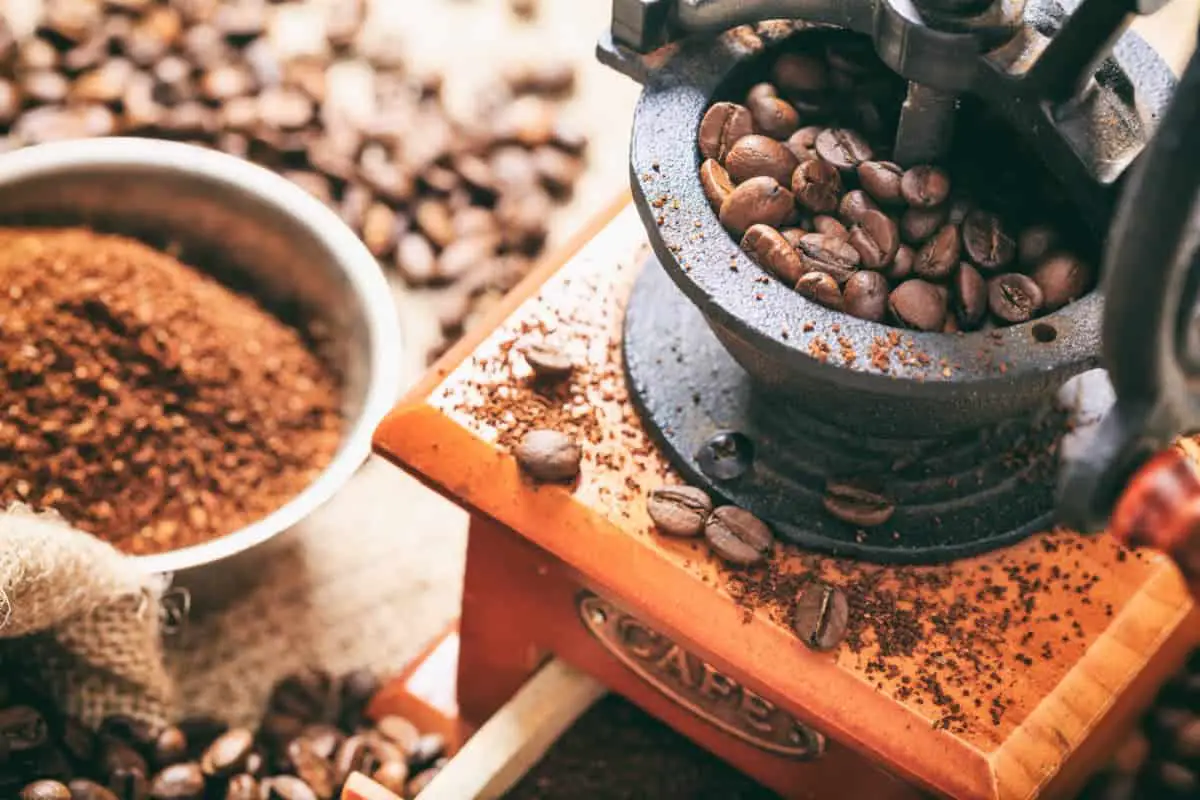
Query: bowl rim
point(359, 267)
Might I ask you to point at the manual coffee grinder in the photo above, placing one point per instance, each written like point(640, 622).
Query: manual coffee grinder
point(987, 655)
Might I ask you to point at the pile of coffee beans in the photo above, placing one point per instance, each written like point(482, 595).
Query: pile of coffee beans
point(440, 199)
point(313, 736)
point(798, 172)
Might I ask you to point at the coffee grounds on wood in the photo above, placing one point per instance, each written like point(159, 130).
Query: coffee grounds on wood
point(144, 401)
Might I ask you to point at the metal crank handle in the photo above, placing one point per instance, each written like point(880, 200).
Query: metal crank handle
point(1151, 347)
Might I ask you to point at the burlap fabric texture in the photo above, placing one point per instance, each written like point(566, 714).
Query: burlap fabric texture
point(79, 621)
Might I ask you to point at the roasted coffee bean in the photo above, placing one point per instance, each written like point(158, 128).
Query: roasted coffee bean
point(392, 775)
point(436, 220)
point(549, 455)
point(970, 297)
point(284, 108)
point(737, 536)
point(679, 510)
point(429, 750)
point(854, 205)
point(828, 254)
point(83, 789)
point(129, 783)
point(866, 296)
point(986, 241)
point(722, 126)
point(876, 239)
point(716, 183)
point(22, 728)
point(820, 287)
point(856, 505)
point(774, 116)
point(918, 304)
point(548, 360)
point(957, 210)
point(1014, 297)
point(228, 753)
point(379, 229)
point(755, 155)
point(463, 255)
point(830, 226)
point(399, 731)
point(559, 171)
point(881, 179)
point(104, 84)
point(243, 787)
point(771, 250)
point(311, 768)
point(10, 101)
point(287, 787)
point(307, 694)
point(77, 740)
point(46, 790)
point(925, 186)
point(170, 747)
point(901, 267)
point(178, 782)
point(803, 143)
point(816, 186)
point(758, 200)
point(760, 91)
point(939, 256)
point(200, 732)
point(44, 87)
point(325, 739)
point(820, 616)
point(415, 259)
point(799, 74)
point(1062, 278)
point(843, 148)
point(794, 235)
point(1035, 243)
point(918, 224)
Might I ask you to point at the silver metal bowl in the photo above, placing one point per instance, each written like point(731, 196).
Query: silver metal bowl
point(259, 226)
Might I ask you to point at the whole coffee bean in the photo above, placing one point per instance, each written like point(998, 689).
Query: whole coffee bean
point(1035, 243)
point(774, 117)
point(901, 267)
point(549, 455)
point(461, 257)
point(1170, 780)
point(399, 731)
point(311, 768)
point(821, 615)
point(794, 235)
point(758, 200)
point(970, 297)
point(854, 205)
point(436, 220)
point(866, 296)
point(307, 694)
point(876, 239)
point(843, 148)
point(44, 86)
point(392, 775)
point(325, 739)
point(803, 143)
point(170, 747)
point(716, 183)
point(243, 787)
point(22, 728)
point(957, 210)
point(415, 259)
point(547, 359)
point(986, 241)
point(354, 755)
point(820, 287)
point(178, 782)
point(830, 226)
point(737, 536)
point(200, 732)
point(722, 125)
point(799, 74)
point(771, 250)
point(679, 510)
point(1062, 278)
point(918, 224)
point(83, 789)
point(46, 790)
point(760, 91)
point(817, 186)
point(881, 179)
point(857, 506)
point(828, 254)
point(925, 186)
point(287, 787)
point(228, 753)
point(1014, 297)
point(939, 256)
point(918, 304)
point(755, 155)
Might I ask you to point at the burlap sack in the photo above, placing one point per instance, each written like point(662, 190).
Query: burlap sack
point(79, 620)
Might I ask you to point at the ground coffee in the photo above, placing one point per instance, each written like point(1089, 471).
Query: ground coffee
point(144, 401)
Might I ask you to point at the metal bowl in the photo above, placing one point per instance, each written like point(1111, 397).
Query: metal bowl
point(266, 232)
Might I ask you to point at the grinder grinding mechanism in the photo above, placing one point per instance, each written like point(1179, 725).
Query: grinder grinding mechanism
point(960, 432)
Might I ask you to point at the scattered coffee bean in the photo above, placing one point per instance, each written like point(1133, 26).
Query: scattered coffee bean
point(803, 143)
point(828, 254)
point(737, 536)
point(22, 728)
point(549, 455)
point(816, 186)
point(1014, 297)
point(856, 505)
point(866, 296)
point(986, 241)
point(854, 205)
point(547, 359)
point(84, 789)
point(287, 787)
point(843, 148)
point(918, 304)
point(939, 256)
point(820, 287)
point(830, 226)
point(46, 790)
point(901, 268)
point(716, 183)
point(918, 224)
point(799, 74)
point(821, 616)
point(679, 510)
point(970, 297)
point(1062, 278)
point(1035, 243)
point(243, 787)
point(925, 186)
point(881, 179)
point(178, 782)
point(392, 775)
point(228, 753)
point(311, 768)
point(722, 126)
point(170, 747)
point(773, 116)
point(754, 155)
point(770, 249)
point(758, 200)
point(876, 239)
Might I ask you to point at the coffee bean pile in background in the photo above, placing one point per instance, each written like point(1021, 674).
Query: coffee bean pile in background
point(312, 736)
point(438, 199)
point(798, 173)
